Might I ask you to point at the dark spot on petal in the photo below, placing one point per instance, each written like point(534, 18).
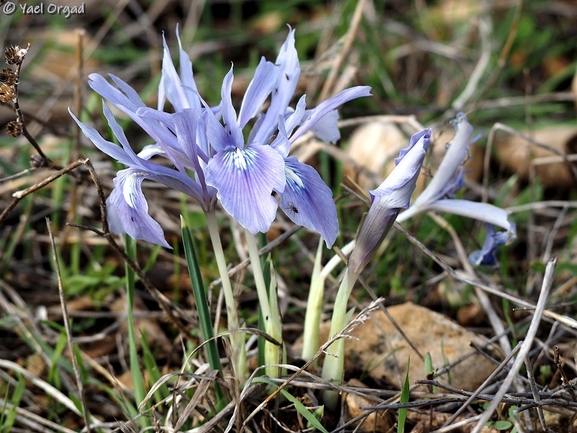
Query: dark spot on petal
point(292, 207)
point(286, 76)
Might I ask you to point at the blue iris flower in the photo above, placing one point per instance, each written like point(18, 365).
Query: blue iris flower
point(208, 156)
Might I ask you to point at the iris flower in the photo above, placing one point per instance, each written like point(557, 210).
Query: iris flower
point(207, 154)
point(448, 180)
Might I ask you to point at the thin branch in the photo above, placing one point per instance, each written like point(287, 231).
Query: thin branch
point(525, 346)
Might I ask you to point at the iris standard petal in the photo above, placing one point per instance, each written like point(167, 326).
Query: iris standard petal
point(228, 113)
point(217, 136)
point(101, 86)
point(245, 180)
point(129, 103)
point(170, 86)
point(287, 77)
point(257, 91)
point(187, 77)
point(127, 90)
point(308, 201)
point(128, 210)
point(329, 105)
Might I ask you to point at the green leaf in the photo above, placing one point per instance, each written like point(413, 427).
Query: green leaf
point(200, 298)
point(405, 395)
point(503, 425)
point(301, 408)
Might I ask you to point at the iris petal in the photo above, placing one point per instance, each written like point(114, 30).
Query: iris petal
point(181, 90)
point(456, 153)
point(327, 128)
point(128, 209)
point(257, 91)
point(170, 86)
point(329, 105)
point(113, 150)
point(228, 112)
point(480, 211)
point(486, 255)
point(397, 188)
point(287, 78)
point(245, 179)
point(308, 201)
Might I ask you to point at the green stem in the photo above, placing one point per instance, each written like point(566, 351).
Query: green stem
point(238, 354)
point(314, 309)
point(273, 326)
point(334, 365)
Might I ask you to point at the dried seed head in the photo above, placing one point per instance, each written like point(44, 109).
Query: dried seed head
point(7, 93)
point(15, 55)
point(8, 76)
point(14, 128)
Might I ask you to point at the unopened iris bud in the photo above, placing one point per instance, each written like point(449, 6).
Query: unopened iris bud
point(388, 199)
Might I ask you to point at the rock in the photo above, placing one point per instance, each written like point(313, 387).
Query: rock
point(375, 145)
point(380, 351)
point(520, 155)
point(376, 421)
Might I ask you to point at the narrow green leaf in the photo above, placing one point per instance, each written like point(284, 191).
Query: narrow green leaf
point(200, 298)
point(429, 370)
point(301, 408)
point(405, 395)
point(152, 368)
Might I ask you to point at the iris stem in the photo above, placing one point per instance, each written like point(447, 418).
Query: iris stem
point(273, 326)
point(311, 331)
point(238, 355)
point(314, 308)
point(334, 365)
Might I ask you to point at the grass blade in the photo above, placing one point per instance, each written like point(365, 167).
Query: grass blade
point(405, 395)
point(301, 408)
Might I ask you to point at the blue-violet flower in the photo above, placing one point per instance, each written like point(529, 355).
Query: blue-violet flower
point(211, 159)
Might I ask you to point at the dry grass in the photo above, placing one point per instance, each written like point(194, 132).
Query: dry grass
point(509, 67)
